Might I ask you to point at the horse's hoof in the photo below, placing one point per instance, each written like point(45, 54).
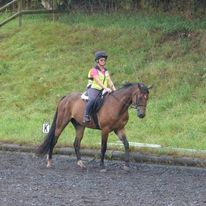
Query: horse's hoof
point(126, 168)
point(103, 170)
point(81, 164)
point(49, 165)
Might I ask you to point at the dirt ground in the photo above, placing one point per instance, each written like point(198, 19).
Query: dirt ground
point(25, 181)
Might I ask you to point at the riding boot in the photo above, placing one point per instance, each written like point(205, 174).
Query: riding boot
point(87, 117)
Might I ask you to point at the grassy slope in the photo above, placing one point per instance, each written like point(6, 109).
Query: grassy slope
point(45, 60)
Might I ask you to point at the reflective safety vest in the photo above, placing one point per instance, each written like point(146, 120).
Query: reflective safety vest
point(104, 78)
point(90, 78)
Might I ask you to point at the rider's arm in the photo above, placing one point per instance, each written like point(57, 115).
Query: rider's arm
point(111, 84)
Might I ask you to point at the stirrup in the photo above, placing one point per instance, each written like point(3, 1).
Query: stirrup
point(86, 119)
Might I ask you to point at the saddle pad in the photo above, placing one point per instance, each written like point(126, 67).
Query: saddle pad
point(84, 96)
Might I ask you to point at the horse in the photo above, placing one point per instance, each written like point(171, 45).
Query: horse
point(112, 117)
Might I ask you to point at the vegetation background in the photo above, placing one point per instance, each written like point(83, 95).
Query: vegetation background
point(45, 59)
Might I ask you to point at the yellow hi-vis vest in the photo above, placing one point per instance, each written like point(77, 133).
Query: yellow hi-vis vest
point(104, 78)
point(90, 78)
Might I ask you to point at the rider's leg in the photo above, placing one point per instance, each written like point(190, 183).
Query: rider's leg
point(92, 93)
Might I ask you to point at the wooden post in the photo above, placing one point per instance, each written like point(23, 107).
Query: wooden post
point(20, 12)
point(7, 5)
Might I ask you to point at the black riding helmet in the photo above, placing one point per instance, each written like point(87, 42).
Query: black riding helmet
point(100, 54)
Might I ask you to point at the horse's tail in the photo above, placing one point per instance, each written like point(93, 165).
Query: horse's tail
point(50, 139)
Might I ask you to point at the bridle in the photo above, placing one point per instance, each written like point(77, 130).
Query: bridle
point(137, 104)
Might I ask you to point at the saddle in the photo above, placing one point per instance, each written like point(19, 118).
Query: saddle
point(85, 96)
point(95, 105)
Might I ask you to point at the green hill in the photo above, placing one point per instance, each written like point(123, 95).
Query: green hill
point(45, 60)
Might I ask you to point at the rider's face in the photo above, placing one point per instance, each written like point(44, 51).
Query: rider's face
point(102, 61)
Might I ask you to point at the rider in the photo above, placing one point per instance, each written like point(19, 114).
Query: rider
point(101, 81)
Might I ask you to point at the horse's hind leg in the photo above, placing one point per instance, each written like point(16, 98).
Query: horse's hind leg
point(49, 155)
point(122, 136)
point(77, 142)
point(61, 123)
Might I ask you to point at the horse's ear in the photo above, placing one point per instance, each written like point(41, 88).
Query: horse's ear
point(150, 86)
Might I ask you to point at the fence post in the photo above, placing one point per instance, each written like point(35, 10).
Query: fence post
point(20, 12)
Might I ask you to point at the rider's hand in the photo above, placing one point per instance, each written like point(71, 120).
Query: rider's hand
point(108, 90)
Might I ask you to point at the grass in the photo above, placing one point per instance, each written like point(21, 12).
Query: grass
point(45, 60)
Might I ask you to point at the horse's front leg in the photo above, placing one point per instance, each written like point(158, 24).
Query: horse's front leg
point(77, 143)
point(103, 150)
point(122, 136)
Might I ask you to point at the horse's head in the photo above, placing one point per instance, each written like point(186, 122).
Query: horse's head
point(139, 99)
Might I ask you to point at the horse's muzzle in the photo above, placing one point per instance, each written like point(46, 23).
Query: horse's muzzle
point(141, 112)
point(141, 115)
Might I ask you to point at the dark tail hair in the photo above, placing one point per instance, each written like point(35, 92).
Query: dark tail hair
point(50, 139)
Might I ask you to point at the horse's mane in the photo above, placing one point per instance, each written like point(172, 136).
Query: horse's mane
point(143, 88)
point(127, 84)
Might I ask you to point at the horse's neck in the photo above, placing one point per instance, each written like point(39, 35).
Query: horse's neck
point(124, 97)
